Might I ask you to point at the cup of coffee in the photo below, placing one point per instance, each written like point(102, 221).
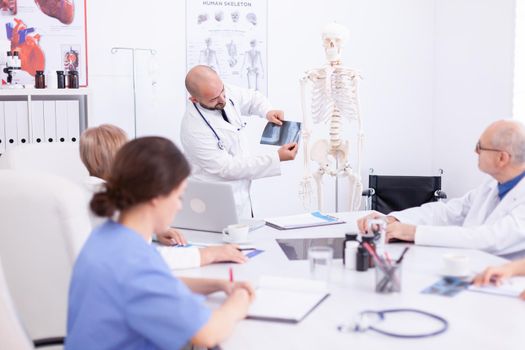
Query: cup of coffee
point(237, 233)
point(456, 265)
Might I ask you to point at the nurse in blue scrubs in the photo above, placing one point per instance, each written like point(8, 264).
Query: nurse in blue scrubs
point(122, 294)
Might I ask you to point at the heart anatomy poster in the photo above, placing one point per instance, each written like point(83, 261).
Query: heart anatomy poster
point(230, 37)
point(48, 35)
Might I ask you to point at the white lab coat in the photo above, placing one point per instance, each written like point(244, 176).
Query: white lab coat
point(478, 220)
point(234, 164)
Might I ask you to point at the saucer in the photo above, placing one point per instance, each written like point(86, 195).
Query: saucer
point(464, 274)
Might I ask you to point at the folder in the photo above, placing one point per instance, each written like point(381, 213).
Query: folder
point(22, 122)
point(303, 220)
point(10, 118)
point(287, 300)
point(2, 128)
point(61, 120)
point(509, 288)
point(49, 121)
point(73, 121)
point(37, 121)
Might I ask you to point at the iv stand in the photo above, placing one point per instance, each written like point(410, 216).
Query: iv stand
point(152, 52)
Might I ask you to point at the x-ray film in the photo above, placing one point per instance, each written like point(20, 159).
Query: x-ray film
point(279, 135)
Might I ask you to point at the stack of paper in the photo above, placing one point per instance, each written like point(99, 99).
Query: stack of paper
point(303, 220)
point(286, 299)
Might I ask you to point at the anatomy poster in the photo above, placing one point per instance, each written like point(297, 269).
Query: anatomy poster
point(230, 37)
point(48, 35)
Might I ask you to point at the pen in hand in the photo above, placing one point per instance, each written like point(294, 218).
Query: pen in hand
point(230, 270)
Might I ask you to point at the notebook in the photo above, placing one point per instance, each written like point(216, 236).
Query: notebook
point(287, 300)
point(510, 288)
point(303, 220)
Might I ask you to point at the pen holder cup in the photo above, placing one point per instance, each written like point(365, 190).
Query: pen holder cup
point(388, 278)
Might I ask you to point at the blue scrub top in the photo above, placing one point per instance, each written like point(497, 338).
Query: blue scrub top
point(123, 296)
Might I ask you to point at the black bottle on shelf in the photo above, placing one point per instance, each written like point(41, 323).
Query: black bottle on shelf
point(61, 79)
point(72, 79)
point(40, 80)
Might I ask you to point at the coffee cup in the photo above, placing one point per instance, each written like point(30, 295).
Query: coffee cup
point(456, 265)
point(237, 233)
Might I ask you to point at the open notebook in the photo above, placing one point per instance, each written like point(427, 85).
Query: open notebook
point(286, 300)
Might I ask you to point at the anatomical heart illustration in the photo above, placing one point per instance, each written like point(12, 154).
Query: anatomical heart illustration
point(26, 43)
point(63, 10)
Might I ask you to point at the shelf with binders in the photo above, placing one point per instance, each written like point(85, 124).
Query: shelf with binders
point(42, 115)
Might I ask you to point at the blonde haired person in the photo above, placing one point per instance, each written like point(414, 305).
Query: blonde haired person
point(98, 147)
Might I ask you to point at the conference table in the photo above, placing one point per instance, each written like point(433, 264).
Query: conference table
point(476, 320)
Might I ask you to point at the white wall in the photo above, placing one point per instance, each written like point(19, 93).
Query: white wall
point(473, 82)
point(416, 71)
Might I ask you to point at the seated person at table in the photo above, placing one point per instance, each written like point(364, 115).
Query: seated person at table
point(497, 275)
point(98, 146)
point(122, 294)
point(490, 217)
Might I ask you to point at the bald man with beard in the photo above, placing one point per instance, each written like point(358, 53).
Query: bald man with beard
point(214, 139)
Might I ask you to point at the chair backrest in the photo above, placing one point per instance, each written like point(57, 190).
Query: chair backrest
point(43, 225)
point(62, 159)
point(393, 193)
point(12, 333)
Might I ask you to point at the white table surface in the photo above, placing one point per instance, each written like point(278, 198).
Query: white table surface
point(476, 320)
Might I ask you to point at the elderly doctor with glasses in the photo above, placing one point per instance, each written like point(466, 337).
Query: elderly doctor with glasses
point(491, 217)
point(214, 140)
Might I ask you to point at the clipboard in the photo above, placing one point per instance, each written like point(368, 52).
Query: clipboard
point(312, 219)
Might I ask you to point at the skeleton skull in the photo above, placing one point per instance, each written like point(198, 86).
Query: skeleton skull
point(334, 35)
point(235, 16)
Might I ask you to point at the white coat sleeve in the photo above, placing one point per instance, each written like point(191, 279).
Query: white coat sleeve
point(203, 151)
point(504, 236)
point(180, 257)
point(252, 102)
point(452, 212)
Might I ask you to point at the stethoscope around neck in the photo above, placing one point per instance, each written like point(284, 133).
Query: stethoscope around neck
point(220, 143)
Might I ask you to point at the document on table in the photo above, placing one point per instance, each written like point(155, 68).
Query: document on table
point(510, 288)
point(286, 300)
point(303, 220)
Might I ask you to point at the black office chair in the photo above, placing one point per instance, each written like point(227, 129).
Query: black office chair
point(392, 193)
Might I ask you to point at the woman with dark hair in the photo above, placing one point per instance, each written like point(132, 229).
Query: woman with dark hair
point(122, 294)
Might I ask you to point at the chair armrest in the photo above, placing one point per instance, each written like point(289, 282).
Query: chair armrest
point(369, 192)
point(440, 195)
point(48, 341)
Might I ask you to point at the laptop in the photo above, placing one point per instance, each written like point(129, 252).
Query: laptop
point(209, 206)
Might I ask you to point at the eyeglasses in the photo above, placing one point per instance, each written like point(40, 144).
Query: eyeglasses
point(479, 148)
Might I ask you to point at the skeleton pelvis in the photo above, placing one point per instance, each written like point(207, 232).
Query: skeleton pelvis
point(323, 153)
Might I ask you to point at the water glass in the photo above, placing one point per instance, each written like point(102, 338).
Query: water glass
point(320, 259)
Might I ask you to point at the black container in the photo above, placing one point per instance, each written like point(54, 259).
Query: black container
point(362, 259)
point(72, 79)
point(371, 242)
point(61, 79)
point(348, 237)
point(40, 80)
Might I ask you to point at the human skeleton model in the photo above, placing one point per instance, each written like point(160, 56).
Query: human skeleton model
point(334, 97)
point(253, 65)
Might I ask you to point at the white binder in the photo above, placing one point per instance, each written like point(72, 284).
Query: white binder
point(22, 122)
point(61, 120)
point(50, 133)
point(2, 128)
point(73, 123)
point(10, 117)
point(37, 121)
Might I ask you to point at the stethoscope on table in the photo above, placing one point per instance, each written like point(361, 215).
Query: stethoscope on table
point(364, 323)
point(220, 143)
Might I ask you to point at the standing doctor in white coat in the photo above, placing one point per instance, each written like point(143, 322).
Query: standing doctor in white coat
point(490, 217)
point(214, 139)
